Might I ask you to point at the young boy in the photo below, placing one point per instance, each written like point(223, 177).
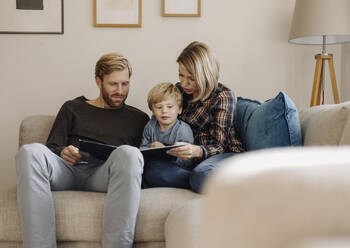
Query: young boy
point(164, 128)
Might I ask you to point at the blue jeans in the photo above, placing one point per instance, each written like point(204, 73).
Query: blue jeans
point(164, 173)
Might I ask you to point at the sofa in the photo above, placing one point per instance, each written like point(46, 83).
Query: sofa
point(166, 215)
point(285, 197)
point(79, 214)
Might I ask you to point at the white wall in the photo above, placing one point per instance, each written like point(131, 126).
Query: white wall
point(40, 72)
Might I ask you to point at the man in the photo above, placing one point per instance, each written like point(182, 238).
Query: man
point(62, 166)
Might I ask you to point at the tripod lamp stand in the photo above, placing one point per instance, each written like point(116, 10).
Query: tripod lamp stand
point(321, 22)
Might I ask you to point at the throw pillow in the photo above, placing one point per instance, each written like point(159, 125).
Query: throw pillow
point(330, 117)
point(273, 123)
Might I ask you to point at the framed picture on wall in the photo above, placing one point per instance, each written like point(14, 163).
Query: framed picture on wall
point(117, 13)
point(31, 17)
point(181, 8)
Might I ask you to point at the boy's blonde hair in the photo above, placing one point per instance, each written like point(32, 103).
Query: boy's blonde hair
point(111, 62)
point(200, 62)
point(162, 91)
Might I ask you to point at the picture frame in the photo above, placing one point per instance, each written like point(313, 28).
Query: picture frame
point(22, 17)
point(121, 13)
point(181, 8)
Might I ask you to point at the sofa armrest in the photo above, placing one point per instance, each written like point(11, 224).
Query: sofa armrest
point(278, 198)
point(35, 129)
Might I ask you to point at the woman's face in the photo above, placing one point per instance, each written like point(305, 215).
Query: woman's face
point(187, 81)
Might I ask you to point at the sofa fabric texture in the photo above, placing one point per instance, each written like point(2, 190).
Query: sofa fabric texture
point(79, 214)
point(326, 124)
point(273, 123)
point(281, 198)
point(164, 212)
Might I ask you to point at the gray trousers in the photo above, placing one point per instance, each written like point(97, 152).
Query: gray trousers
point(40, 171)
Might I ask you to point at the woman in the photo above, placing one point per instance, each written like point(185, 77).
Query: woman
point(208, 106)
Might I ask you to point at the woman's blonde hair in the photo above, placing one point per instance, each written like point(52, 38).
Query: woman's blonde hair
point(201, 63)
point(162, 91)
point(111, 62)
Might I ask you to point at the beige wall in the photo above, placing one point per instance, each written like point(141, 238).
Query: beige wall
point(40, 72)
point(345, 86)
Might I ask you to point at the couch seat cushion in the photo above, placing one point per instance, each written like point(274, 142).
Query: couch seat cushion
point(79, 214)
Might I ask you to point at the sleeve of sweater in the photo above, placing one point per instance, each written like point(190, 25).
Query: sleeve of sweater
point(59, 134)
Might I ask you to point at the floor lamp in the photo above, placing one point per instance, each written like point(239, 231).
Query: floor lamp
point(321, 22)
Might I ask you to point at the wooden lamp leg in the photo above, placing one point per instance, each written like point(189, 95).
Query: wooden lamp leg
point(334, 83)
point(316, 88)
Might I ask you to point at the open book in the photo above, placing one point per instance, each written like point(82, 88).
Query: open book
point(102, 151)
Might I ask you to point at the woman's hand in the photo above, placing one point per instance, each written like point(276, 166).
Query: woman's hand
point(187, 151)
point(71, 155)
point(156, 144)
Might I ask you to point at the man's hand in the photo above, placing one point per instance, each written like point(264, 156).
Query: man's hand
point(156, 144)
point(187, 151)
point(71, 155)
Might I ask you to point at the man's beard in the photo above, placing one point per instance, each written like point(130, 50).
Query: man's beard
point(108, 100)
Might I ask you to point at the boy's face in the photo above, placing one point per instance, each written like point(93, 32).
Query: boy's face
point(166, 112)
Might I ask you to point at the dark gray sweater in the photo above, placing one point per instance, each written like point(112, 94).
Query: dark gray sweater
point(78, 119)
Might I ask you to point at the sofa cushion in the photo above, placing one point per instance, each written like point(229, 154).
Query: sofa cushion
point(79, 214)
point(324, 124)
point(273, 123)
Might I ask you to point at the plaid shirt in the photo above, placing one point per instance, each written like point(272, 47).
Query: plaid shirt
point(211, 121)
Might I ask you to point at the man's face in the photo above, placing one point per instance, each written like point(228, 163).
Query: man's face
point(114, 88)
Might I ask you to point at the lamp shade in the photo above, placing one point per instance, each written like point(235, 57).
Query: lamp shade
point(314, 19)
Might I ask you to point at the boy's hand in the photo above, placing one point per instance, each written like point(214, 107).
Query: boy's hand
point(156, 144)
point(71, 155)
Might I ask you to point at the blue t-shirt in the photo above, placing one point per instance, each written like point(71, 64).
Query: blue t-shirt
point(179, 132)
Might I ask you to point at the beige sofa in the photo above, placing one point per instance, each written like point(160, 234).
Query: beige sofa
point(283, 198)
point(166, 215)
point(79, 214)
point(277, 198)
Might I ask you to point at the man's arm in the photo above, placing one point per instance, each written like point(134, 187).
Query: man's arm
point(58, 137)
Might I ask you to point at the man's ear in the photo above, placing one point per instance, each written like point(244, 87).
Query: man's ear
point(98, 82)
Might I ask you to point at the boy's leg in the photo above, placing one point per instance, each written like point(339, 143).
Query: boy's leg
point(38, 171)
point(166, 173)
point(120, 177)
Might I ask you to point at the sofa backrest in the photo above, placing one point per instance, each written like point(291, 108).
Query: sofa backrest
point(326, 124)
point(35, 129)
point(320, 125)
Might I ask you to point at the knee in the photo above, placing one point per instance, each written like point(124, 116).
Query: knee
point(197, 178)
point(30, 151)
point(127, 160)
point(27, 153)
point(199, 174)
